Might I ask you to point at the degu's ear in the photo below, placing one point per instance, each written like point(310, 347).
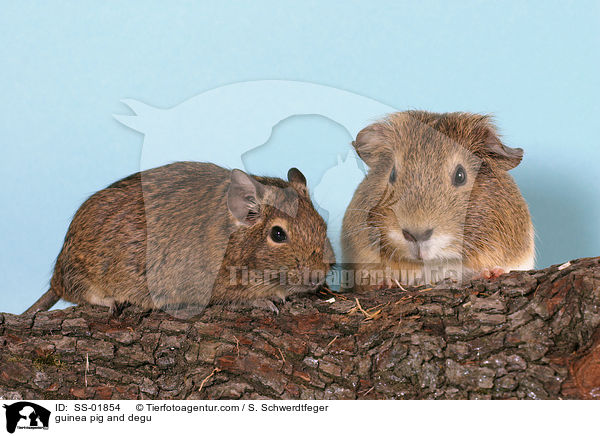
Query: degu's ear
point(243, 198)
point(371, 144)
point(503, 157)
point(297, 180)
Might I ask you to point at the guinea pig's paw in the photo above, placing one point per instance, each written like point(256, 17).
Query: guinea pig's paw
point(490, 274)
point(116, 308)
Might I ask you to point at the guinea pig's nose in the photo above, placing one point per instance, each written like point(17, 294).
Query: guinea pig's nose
point(417, 236)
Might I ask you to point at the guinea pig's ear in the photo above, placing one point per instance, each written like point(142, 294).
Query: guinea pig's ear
point(298, 181)
point(505, 158)
point(370, 143)
point(243, 198)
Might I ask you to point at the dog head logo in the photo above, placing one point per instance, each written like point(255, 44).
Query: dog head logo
point(228, 125)
point(231, 125)
point(26, 415)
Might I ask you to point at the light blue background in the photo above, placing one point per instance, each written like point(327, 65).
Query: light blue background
point(64, 67)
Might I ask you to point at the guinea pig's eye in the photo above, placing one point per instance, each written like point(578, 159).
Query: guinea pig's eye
point(278, 234)
point(460, 176)
point(393, 175)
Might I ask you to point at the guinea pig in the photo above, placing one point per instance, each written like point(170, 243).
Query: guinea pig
point(437, 202)
point(184, 235)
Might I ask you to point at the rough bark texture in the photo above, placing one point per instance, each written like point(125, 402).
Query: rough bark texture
point(527, 335)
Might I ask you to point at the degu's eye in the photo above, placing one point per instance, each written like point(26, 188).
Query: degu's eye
point(460, 176)
point(278, 234)
point(393, 175)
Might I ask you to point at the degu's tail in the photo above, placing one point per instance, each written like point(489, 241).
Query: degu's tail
point(45, 302)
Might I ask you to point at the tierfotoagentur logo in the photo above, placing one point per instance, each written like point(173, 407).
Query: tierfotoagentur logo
point(25, 415)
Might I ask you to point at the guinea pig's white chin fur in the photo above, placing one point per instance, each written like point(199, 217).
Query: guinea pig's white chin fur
point(438, 248)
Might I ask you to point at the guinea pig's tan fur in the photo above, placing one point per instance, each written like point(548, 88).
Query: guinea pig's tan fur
point(191, 233)
point(408, 215)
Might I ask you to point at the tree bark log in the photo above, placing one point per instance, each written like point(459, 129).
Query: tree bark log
point(526, 335)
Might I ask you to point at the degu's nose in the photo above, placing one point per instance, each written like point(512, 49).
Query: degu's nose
point(315, 283)
point(417, 236)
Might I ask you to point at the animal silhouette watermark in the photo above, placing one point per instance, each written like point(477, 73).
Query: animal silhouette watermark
point(26, 415)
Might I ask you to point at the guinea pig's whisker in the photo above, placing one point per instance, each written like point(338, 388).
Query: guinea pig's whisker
point(356, 228)
point(381, 247)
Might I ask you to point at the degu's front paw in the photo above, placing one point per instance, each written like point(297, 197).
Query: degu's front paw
point(265, 304)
